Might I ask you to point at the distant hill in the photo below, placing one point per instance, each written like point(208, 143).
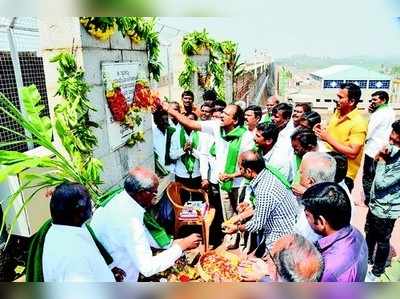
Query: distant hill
point(305, 62)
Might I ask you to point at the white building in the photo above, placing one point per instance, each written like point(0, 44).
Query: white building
point(328, 80)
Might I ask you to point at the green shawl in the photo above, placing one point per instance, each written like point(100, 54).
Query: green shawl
point(188, 159)
point(34, 265)
point(157, 232)
point(234, 138)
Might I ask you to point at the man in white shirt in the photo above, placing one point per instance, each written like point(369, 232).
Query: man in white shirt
point(379, 128)
point(69, 251)
point(265, 138)
point(281, 114)
point(185, 145)
point(162, 133)
point(252, 116)
point(172, 121)
point(120, 227)
point(315, 168)
point(231, 139)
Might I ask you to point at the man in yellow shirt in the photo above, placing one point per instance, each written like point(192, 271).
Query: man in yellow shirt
point(347, 129)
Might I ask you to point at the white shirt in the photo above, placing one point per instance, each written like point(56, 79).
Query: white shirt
point(213, 128)
point(159, 146)
point(281, 153)
point(119, 227)
point(303, 228)
point(70, 255)
point(176, 153)
point(379, 128)
point(207, 161)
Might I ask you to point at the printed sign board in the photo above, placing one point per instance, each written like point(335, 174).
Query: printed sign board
point(124, 74)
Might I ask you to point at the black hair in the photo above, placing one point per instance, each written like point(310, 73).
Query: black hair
point(306, 137)
point(256, 110)
point(70, 204)
point(306, 106)
point(221, 104)
point(330, 201)
point(313, 118)
point(239, 115)
point(341, 165)
point(191, 113)
point(212, 106)
point(157, 116)
point(256, 162)
point(285, 108)
point(383, 95)
point(353, 90)
point(269, 131)
point(188, 93)
point(210, 95)
point(396, 126)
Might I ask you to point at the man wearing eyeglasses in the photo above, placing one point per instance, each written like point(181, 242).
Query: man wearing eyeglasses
point(128, 231)
point(346, 129)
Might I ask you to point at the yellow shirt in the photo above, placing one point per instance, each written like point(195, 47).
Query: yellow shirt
point(350, 129)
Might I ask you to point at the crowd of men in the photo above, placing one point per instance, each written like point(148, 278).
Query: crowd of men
point(279, 181)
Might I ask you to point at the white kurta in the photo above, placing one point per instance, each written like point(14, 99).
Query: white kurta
point(213, 128)
point(159, 147)
point(379, 128)
point(70, 255)
point(283, 151)
point(119, 227)
point(176, 153)
point(207, 161)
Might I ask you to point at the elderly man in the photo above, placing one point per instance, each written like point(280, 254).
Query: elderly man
point(343, 247)
point(275, 208)
point(316, 167)
point(271, 102)
point(347, 129)
point(292, 259)
point(127, 231)
point(70, 253)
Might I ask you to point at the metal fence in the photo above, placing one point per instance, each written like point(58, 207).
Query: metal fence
point(21, 64)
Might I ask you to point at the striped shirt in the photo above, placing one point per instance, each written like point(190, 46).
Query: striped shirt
point(275, 208)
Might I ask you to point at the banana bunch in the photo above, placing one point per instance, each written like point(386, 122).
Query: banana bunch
point(96, 31)
point(136, 39)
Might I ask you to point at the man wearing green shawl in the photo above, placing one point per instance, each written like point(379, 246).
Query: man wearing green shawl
point(271, 102)
point(65, 250)
point(185, 144)
point(128, 231)
point(231, 139)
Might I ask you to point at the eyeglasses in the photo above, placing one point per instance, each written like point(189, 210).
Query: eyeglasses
point(152, 191)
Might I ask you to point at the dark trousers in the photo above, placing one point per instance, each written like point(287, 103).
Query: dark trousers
point(368, 176)
point(349, 183)
point(378, 232)
point(192, 183)
point(216, 234)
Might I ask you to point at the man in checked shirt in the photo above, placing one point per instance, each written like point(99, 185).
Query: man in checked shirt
point(275, 207)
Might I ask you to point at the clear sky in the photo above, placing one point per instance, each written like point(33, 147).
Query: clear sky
point(335, 28)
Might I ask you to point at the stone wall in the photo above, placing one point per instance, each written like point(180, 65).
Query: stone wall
point(61, 34)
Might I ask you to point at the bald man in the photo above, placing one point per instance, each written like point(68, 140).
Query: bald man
point(121, 226)
point(271, 102)
point(293, 259)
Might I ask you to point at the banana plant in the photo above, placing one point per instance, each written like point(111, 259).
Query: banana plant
point(73, 128)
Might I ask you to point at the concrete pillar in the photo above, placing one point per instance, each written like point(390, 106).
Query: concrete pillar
point(62, 34)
